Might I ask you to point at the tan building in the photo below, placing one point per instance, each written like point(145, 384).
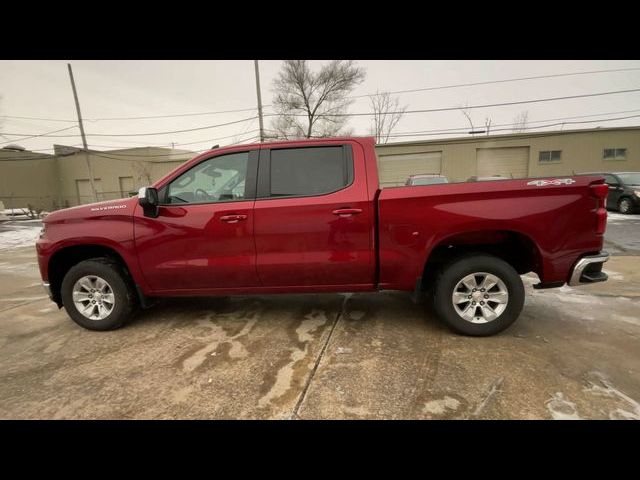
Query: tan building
point(515, 155)
point(53, 181)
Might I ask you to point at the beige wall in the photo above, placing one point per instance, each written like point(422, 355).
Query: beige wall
point(49, 182)
point(28, 178)
point(581, 152)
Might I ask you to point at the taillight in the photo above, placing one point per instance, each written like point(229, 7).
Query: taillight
point(600, 192)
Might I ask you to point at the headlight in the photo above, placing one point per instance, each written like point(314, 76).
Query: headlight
point(637, 193)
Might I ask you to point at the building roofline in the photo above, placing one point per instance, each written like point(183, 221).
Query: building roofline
point(515, 136)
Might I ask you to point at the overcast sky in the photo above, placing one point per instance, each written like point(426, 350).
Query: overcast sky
point(147, 88)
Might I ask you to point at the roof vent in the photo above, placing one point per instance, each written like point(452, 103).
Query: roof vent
point(14, 146)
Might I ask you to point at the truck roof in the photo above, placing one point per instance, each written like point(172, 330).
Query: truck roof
point(306, 140)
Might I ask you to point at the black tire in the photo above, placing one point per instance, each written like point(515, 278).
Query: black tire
point(452, 273)
point(117, 278)
point(625, 206)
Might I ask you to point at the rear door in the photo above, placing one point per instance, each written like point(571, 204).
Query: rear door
point(313, 218)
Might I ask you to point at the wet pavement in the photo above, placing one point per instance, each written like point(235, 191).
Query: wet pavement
point(574, 353)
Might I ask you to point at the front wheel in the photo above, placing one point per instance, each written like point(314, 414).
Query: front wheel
point(478, 295)
point(97, 294)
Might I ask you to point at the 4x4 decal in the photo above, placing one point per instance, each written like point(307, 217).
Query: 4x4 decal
point(555, 181)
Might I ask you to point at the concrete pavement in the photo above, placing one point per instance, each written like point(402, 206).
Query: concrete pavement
point(572, 354)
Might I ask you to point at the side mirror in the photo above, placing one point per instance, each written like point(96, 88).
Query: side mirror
point(148, 200)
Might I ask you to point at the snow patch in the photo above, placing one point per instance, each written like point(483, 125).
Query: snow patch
point(607, 389)
point(619, 218)
point(19, 236)
point(561, 408)
point(440, 406)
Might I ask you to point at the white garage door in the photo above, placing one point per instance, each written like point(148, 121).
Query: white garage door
point(395, 169)
point(512, 162)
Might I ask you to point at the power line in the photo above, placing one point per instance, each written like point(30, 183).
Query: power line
point(521, 102)
point(46, 134)
point(130, 118)
point(177, 144)
point(519, 79)
point(137, 134)
point(465, 128)
point(172, 115)
point(527, 128)
point(446, 109)
point(446, 140)
point(424, 89)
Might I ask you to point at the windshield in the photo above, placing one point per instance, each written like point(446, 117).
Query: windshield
point(428, 181)
point(630, 178)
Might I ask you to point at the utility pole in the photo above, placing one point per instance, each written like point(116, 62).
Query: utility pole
point(255, 63)
point(84, 139)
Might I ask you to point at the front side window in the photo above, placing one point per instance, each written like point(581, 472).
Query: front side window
point(218, 179)
point(309, 171)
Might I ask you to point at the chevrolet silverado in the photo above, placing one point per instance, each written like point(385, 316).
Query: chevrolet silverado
point(310, 216)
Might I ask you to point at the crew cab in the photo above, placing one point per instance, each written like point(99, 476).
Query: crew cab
point(309, 216)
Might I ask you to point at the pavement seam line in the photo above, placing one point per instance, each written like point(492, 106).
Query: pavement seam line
point(294, 413)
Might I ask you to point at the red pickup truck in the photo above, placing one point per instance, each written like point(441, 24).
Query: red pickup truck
point(309, 216)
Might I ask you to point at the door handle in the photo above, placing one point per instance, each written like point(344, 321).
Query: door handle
point(347, 212)
point(233, 218)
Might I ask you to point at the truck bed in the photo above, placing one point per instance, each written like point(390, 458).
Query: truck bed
point(559, 220)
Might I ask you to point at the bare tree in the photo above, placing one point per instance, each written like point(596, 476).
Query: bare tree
point(387, 112)
point(465, 112)
point(487, 121)
point(520, 122)
point(306, 102)
point(487, 124)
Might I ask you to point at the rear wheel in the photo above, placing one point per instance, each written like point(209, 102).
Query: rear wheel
point(625, 206)
point(98, 295)
point(478, 295)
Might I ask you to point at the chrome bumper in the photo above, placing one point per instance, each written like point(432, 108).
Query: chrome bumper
point(586, 270)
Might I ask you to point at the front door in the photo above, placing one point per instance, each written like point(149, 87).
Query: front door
point(203, 236)
point(313, 219)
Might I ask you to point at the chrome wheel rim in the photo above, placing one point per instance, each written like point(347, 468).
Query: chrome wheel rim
point(93, 297)
point(625, 206)
point(480, 297)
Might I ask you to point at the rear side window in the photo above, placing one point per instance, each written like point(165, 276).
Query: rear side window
point(310, 171)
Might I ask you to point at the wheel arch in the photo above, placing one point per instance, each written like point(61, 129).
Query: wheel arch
point(516, 248)
point(66, 257)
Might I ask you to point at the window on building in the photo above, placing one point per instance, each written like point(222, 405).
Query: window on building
point(614, 154)
point(550, 156)
point(309, 171)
